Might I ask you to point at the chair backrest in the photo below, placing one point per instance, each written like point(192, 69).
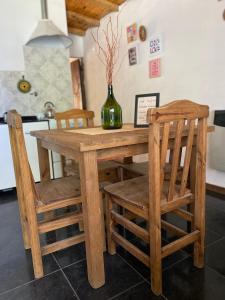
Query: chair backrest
point(75, 118)
point(172, 127)
point(24, 178)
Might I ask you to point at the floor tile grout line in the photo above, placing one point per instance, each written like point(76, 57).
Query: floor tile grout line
point(215, 271)
point(213, 243)
point(177, 262)
point(67, 280)
point(27, 283)
point(56, 261)
point(130, 288)
point(133, 268)
point(126, 290)
point(74, 263)
point(69, 283)
point(139, 273)
point(213, 231)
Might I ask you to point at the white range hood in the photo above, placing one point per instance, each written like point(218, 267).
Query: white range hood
point(47, 34)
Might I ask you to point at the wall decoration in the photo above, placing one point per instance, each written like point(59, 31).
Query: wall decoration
point(133, 56)
point(142, 104)
point(132, 33)
point(155, 45)
point(23, 85)
point(155, 68)
point(142, 33)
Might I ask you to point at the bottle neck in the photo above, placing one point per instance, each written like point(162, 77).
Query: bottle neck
point(110, 90)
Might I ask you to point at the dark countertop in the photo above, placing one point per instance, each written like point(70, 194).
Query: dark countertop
point(25, 119)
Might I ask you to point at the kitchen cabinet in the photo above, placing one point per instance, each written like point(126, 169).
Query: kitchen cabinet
point(7, 177)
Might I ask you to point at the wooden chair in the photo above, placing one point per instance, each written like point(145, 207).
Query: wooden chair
point(179, 124)
point(35, 199)
point(78, 118)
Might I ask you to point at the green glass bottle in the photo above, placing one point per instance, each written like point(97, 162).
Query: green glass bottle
point(111, 112)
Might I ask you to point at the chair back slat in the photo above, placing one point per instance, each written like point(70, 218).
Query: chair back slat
point(76, 123)
point(59, 124)
point(187, 159)
point(67, 123)
point(164, 150)
point(176, 158)
point(177, 123)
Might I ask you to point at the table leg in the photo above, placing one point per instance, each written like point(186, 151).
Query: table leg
point(43, 162)
point(92, 219)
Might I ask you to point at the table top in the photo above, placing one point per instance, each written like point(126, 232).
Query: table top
point(86, 139)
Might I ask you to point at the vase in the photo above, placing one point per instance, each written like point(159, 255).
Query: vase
point(111, 113)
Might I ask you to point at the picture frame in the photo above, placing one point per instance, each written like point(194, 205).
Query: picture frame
point(132, 33)
point(155, 68)
point(142, 103)
point(133, 56)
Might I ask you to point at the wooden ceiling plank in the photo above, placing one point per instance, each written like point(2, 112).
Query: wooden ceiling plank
point(109, 5)
point(91, 22)
point(83, 14)
point(76, 31)
point(119, 2)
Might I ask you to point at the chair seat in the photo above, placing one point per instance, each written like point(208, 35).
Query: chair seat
point(57, 190)
point(135, 192)
point(72, 169)
point(142, 168)
point(139, 168)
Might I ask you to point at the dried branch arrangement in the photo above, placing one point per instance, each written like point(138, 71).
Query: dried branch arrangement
point(109, 50)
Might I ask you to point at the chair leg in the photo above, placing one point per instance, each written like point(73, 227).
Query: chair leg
point(81, 223)
point(156, 268)
point(35, 243)
point(199, 245)
point(23, 220)
point(155, 253)
point(109, 226)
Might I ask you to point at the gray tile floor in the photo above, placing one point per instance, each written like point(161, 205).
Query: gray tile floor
point(126, 278)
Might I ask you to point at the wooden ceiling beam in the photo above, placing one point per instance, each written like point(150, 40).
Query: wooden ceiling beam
point(83, 14)
point(76, 31)
point(74, 16)
point(107, 4)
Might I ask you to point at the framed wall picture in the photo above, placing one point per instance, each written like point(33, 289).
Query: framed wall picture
point(142, 104)
point(155, 45)
point(155, 68)
point(132, 33)
point(133, 56)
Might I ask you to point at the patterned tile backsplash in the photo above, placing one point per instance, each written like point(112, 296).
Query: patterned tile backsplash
point(48, 71)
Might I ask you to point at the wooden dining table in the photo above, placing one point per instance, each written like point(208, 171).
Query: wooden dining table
point(88, 146)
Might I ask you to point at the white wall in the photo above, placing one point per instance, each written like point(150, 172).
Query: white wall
point(17, 21)
point(77, 49)
point(193, 59)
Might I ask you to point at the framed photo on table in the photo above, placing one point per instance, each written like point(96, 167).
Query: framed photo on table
point(142, 104)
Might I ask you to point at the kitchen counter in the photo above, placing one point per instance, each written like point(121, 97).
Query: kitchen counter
point(25, 119)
